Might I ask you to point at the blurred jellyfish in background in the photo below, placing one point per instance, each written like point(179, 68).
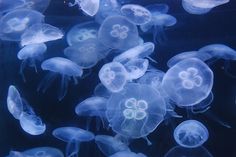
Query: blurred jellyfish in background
point(63, 67)
point(201, 6)
point(127, 154)
point(29, 55)
point(191, 134)
point(89, 7)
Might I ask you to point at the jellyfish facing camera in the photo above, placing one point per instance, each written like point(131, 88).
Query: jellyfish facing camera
point(136, 111)
point(188, 82)
point(127, 154)
point(30, 54)
point(40, 33)
point(14, 23)
point(191, 134)
point(90, 7)
point(63, 67)
point(117, 32)
point(201, 6)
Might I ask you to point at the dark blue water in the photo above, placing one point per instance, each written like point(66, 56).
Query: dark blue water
point(190, 33)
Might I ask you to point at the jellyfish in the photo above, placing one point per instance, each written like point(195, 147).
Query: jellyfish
point(30, 54)
point(188, 82)
point(39, 5)
point(201, 6)
point(40, 33)
point(6, 6)
point(14, 23)
point(73, 136)
point(127, 154)
point(89, 7)
point(63, 67)
point(158, 8)
point(113, 76)
point(117, 32)
point(109, 145)
point(136, 111)
point(191, 134)
point(82, 32)
point(136, 13)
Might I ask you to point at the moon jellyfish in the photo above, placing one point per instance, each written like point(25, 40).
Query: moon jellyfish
point(102, 91)
point(90, 7)
point(136, 111)
point(118, 32)
point(188, 82)
point(109, 145)
point(158, 8)
point(201, 6)
point(127, 154)
point(40, 33)
point(14, 23)
point(191, 134)
point(30, 54)
point(63, 67)
point(39, 5)
point(82, 32)
point(136, 14)
point(113, 76)
point(6, 6)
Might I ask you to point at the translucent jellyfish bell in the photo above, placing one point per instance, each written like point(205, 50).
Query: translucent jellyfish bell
point(191, 134)
point(118, 32)
point(40, 33)
point(14, 23)
point(158, 8)
point(188, 82)
point(113, 76)
point(136, 13)
point(127, 154)
point(63, 67)
point(90, 7)
point(201, 6)
point(136, 111)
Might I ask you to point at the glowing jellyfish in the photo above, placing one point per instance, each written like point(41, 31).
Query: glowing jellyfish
point(127, 154)
point(191, 134)
point(90, 7)
point(113, 76)
point(30, 54)
point(118, 32)
point(102, 91)
point(136, 111)
point(14, 23)
point(201, 6)
point(188, 82)
point(136, 14)
point(63, 67)
point(109, 145)
point(40, 33)
point(82, 32)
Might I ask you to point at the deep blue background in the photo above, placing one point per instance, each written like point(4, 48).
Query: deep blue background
point(190, 33)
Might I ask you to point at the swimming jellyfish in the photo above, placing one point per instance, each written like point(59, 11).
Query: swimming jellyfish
point(127, 154)
point(188, 82)
point(63, 67)
point(136, 111)
point(191, 134)
point(117, 32)
point(90, 7)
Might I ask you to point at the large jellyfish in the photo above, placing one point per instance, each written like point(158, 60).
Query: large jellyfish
point(188, 82)
point(40, 33)
point(90, 7)
point(136, 111)
point(63, 67)
point(118, 32)
point(191, 134)
point(30, 54)
point(127, 154)
point(14, 23)
point(136, 13)
point(201, 6)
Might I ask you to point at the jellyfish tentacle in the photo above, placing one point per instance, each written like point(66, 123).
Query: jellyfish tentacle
point(72, 149)
point(22, 67)
point(63, 87)
point(46, 82)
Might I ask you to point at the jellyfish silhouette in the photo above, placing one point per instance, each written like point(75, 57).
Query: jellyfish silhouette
point(127, 154)
point(89, 7)
point(63, 67)
point(29, 55)
point(136, 111)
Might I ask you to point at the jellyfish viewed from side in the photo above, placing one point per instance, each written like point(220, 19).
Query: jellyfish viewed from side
point(90, 7)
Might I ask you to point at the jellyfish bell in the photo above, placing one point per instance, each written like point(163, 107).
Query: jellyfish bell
point(89, 7)
point(158, 8)
point(127, 154)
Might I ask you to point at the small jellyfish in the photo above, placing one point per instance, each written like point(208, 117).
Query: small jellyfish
point(14, 23)
point(63, 67)
point(136, 111)
point(109, 145)
point(117, 32)
point(101, 91)
point(136, 13)
point(127, 154)
point(201, 6)
point(188, 82)
point(82, 32)
point(30, 54)
point(89, 7)
point(191, 134)
point(113, 76)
